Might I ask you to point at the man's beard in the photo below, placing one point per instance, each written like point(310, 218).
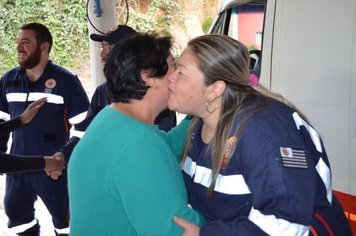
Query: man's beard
point(32, 60)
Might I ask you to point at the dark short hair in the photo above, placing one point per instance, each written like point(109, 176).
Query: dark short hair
point(129, 58)
point(42, 33)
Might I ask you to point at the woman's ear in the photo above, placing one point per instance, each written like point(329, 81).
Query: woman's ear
point(149, 81)
point(216, 90)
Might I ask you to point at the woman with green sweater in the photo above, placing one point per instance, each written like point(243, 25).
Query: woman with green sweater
point(124, 175)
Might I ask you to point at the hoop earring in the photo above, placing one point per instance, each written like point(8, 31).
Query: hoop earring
point(207, 107)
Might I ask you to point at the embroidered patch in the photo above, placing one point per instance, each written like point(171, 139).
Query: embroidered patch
point(50, 83)
point(229, 148)
point(293, 158)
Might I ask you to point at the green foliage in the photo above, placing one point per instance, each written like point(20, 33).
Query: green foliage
point(159, 16)
point(66, 20)
point(206, 24)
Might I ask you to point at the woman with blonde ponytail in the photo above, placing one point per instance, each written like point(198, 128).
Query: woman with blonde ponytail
point(252, 163)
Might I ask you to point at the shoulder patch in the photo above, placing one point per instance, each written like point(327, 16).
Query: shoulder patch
point(229, 148)
point(293, 158)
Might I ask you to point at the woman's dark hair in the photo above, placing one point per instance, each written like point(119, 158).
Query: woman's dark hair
point(131, 56)
point(42, 33)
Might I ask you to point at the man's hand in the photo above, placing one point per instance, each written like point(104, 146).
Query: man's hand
point(32, 110)
point(189, 228)
point(54, 165)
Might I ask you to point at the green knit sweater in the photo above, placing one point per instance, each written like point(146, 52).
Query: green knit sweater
point(124, 179)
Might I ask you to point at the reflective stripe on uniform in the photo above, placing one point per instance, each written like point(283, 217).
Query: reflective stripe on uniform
point(4, 116)
point(275, 226)
point(228, 184)
point(21, 97)
point(62, 231)
point(78, 118)
point(324, 172)
point(322, 169)
point(312, 132)
point(77, 133)
point(21, 228)
point(16, 97)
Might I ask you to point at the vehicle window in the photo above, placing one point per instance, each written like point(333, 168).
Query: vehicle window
point(243, 20)
point(246, 24)
point(218, 27)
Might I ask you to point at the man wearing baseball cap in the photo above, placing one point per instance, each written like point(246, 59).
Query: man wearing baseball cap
point(109, 39)
point(165, 120)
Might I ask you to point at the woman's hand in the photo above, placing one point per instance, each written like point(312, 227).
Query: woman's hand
point(32, 110)
point(189, 228)
point(54, 166)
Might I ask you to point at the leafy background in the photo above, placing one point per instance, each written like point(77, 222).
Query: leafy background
point(65, 19)
point(67, 22)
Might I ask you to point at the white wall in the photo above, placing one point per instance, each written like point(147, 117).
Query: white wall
point(353, 110)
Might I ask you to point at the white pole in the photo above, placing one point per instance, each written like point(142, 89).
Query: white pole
point(103, 21)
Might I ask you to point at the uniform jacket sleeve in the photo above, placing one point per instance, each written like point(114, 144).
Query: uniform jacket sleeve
point(77, 101)
point(79, 131)
point(282, 196)
point(7, 126)
point(4, 113)
point(14, 163)
point(98, 102)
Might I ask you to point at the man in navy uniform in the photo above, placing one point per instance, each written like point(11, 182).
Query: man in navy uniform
point(67, 102)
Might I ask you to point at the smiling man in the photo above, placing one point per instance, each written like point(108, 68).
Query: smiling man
point(67, 102)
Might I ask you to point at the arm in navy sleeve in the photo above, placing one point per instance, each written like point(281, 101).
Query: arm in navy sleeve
point(81, 127)
point(76, 101)
point(3, 113)
point(98, 102)
point(7, 126)
point(3, 143)
point(13, 163)
point(282, 197)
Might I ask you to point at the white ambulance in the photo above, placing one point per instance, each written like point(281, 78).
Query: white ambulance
point(306, 50)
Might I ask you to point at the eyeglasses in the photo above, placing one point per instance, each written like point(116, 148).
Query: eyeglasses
point(106, 46)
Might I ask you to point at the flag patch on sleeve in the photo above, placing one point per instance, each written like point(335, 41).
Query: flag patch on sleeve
point(293, 158)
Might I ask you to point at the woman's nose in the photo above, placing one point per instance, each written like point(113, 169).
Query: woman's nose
point(172, 77)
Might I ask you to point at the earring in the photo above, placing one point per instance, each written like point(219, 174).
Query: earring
point(207, 107)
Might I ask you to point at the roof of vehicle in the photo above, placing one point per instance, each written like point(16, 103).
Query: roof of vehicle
point(226, 4)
